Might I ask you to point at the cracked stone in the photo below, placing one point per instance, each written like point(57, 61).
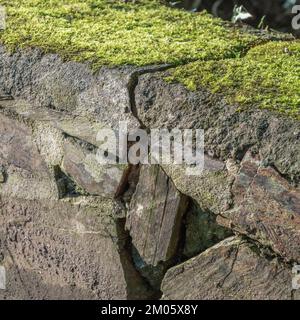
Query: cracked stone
point(266, 208)
point(154, 218)
point(232, 269)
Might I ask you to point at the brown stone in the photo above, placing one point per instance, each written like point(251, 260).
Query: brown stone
point(154, 218)
point(66, 249)
point(266, 208)
point(232, 269)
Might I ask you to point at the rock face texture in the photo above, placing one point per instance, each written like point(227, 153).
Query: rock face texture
point(72, 228)
point(229, 270)
point(154, 218)
point(65, 249)
point(266, 208)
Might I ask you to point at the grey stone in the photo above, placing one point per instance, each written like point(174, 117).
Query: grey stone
point(66, 249)
point(95, 178)
point(232, 269)
point(154, 218)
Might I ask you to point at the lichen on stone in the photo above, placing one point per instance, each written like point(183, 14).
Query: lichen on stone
point(106, 32)
point(267, 77)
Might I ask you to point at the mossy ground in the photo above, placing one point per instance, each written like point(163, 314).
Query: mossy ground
point(114, 33)
point(111, 32)
point(268, 77)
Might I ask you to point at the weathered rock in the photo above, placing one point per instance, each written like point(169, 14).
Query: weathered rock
point(27, 174)
point(266, 208)
point(154, 218)
point(211, 189)
point(90, 175)
point(232, 269)
point(67, 249)
point(66, 94)
point(228, 133)
point(51, 113)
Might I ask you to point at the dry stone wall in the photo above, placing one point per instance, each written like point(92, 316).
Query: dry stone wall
point(72, 228)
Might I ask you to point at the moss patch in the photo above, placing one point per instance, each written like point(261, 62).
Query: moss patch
point(268, 77)
point(114, 33)
point(111, 32)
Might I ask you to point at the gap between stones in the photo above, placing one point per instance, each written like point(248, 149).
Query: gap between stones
point(131, 86)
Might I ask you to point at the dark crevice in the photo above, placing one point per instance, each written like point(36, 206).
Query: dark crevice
point(138, 287)
point(65, 185)
point(133, 83)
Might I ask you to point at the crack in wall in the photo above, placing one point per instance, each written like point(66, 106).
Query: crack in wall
point(131, 86)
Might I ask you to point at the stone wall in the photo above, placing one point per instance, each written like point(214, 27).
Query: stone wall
point(71, 228)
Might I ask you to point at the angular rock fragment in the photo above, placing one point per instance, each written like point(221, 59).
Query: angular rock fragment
point(266, 208)
point(27, 175)
point(95, 178)
point(67, 249)
point(211, 189)
point(232, 269)
point(154, 218)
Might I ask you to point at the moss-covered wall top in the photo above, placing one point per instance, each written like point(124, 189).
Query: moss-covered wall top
point(267, 77)
point(110, 32)
point(206, 51)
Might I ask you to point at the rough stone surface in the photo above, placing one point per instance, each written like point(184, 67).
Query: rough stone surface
point(211, 189)
point(266, 208)
point(63, 216)
point(66, 94)
point(229, 133)
point(231, 269)
point(154, 218)
point(64, 250)
point(89, 174)
point(26, 173)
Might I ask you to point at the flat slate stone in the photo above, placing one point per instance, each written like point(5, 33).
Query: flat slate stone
point(154, 217)
point(229, 270)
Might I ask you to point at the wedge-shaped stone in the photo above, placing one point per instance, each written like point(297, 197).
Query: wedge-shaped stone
point(230, 270)
point(266, 208)
point(155, 214)
point(95, 178)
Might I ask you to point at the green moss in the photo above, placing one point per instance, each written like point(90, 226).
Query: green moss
point(268, 77)
point(115, 33)
point(110, 32)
